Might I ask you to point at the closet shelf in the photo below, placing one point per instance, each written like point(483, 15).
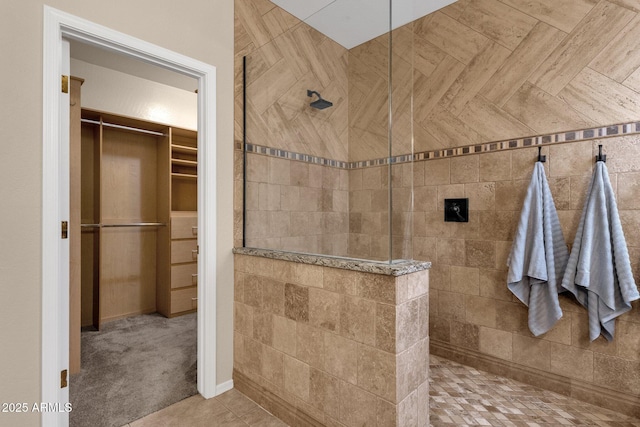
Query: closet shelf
point(183, 162)
point(184, 176)
point(183, 149)
point(128, 224)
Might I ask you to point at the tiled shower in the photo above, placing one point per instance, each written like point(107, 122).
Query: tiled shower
point(452, 105)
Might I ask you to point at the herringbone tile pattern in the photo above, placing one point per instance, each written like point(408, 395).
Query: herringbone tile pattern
point(487, 70)
point(285, 57)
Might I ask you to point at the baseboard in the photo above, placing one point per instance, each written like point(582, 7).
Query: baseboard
point(581, 390)
point(225, 386)
point(273, 403)
point(130, 314)
point(606, 398)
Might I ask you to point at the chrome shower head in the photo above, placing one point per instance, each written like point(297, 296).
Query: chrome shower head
point(320, 103)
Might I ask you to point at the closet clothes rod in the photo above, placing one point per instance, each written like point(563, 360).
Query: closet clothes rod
point(130, 224)
point(111, 125)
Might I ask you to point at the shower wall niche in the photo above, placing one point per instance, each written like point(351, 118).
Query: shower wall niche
point(320, 180)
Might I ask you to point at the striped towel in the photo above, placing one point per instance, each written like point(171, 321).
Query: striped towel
point(599, 272)
point(538, 256)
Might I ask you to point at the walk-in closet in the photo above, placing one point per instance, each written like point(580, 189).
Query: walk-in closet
point(138, 218)
point(133, 235)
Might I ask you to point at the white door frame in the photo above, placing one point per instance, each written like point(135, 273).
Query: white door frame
point(55, 196)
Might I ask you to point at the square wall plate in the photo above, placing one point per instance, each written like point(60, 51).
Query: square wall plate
point(456, 210)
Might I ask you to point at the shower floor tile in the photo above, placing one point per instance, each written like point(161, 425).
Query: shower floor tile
point(464, 396)
point(460, 396)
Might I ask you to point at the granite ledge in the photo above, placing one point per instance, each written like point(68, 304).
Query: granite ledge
point(397, 269)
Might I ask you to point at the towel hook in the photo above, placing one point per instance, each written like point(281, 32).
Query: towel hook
point(601, 157)
point(541, 158)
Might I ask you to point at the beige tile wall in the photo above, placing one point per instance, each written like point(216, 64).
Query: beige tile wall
point(291, 205)
point(344, 347)
point(488, 70)
point(369, 206)
point(296, 206)
point(478, 72)
point(368, 74)
point(285, 57)
point(475, 79)
point(471, 307)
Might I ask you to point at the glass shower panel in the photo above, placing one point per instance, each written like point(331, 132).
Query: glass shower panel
point(296, 109)
point(369, 207)
point(401, 142)
point(328, 134)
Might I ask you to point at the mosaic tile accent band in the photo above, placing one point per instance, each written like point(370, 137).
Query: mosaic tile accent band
point(283, 154)
point(629, 128)
point(464, 396)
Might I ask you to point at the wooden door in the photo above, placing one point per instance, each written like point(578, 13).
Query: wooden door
point(75, 245)
point(90, 211)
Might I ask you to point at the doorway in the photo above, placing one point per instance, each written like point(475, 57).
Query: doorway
point(131, 230)
point(55, 257)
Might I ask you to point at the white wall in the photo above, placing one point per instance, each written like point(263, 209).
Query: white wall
point(111, 91)
point(202, 29)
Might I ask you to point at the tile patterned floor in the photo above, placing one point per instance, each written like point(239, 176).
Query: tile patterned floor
point(463, 396)
point(230, 409)
point(460, 396)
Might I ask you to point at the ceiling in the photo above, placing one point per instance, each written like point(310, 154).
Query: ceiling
point(127, 65)
point(341, 20)
point(353, 22)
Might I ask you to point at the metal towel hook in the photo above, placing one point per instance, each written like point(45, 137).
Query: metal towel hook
point(541, 158)
point(601, 157)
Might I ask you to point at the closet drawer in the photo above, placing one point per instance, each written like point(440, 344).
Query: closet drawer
point(184, 275)
point(184, 251)
point(183, 300)
point(184, 227)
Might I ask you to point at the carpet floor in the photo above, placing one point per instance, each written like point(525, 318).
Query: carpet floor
point(133, 367)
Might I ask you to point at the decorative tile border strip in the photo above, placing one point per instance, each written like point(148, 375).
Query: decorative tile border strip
point(529, 141)
point(284, 154)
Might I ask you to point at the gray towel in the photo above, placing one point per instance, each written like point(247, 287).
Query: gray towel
point(599, 273)
point(538, 256)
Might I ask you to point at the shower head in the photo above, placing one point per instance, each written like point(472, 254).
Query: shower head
point(320, 104)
